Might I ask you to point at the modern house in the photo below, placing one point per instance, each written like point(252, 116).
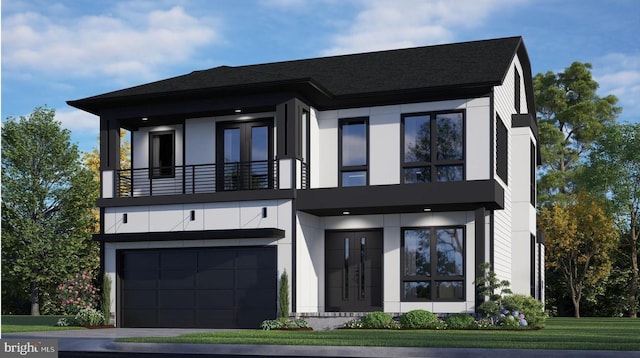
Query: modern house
point(378, 181)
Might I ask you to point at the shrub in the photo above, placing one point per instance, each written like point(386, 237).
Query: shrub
point(283, 295)
point(376, 320)
point(106, 298)
point(490, 286)
point(89, 317)
point(460, 321)
point(418, 319)
point(63, 322)
point(511, 319)
point(531, 308)
point(284, 323)
point(270, 324)
point(297, 323)
point(354, 323)
point(78, 293)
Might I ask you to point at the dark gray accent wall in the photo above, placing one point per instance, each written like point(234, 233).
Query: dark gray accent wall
point(224, 196)
point(385, 199)
point(269, 233)
point(109, 143)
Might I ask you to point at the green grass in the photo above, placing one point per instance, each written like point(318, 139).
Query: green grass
point(17, 324)
point(560, 333)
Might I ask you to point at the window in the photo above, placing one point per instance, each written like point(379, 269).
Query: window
point(516, 92)
point(433, 264)
point(502, 151)
point(532, 173)
point(354, 152)
point(162, 154)
point(244, 155)
point(433, 147)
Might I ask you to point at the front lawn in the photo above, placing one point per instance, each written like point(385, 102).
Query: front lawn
point(16, 324)
point(560, 333)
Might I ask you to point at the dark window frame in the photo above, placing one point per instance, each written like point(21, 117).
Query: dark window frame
point(434, 278)
point(532, 174)
point(163, 171)
point(516, 93)
point(434, 163)
point(502, 150)
point(245, 128)
point(532, 266)
point(353, 168)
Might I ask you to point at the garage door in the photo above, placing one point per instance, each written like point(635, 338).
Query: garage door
point(203, 288)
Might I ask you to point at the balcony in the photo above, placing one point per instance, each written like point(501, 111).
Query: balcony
point(196, 179)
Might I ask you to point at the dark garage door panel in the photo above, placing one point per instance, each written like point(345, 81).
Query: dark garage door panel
point(205, 288)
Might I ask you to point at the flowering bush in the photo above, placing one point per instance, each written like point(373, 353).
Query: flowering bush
point(511, 319)
point(78, 293)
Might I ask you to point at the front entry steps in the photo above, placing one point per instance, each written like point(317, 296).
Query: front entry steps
point(320, 321)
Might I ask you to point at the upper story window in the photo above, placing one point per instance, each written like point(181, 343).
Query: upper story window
point(532, 173)
point(516, 92)
point(433, 264)
point(433, 147)
point(354, 151)
point(502, 150)
point(162, 154)
point(244, 155)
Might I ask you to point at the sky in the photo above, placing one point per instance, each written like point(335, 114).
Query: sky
point(59, 50)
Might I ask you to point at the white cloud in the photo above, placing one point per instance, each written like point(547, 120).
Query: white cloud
point(105, 44)
point(386, 24)
point(79, 122)
point(619, 74)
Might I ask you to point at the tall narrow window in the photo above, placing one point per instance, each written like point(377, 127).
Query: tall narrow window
point(532, 173)
point(162, 154)
point(502, 151)
point(516, 92)
point(433, 147)
point(345, 276)
point(354, 152)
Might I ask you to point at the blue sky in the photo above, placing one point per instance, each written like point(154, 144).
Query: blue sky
point(54, 51)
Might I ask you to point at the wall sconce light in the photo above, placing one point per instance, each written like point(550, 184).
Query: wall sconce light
point(264, 212)
point(192, 215)
point(125, 218)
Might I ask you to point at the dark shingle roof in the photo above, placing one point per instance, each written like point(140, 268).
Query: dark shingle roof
point(467, 64)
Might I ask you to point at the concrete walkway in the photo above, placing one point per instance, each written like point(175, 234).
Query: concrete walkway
point(103, 340)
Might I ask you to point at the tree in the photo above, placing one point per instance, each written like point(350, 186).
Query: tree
point(580, 238)
point(571, 117)
point(614, 170)
point(47, 197)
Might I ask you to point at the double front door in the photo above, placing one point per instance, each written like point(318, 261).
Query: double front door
point(353, 271)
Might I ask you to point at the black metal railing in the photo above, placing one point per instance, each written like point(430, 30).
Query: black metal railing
point(197, 179)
